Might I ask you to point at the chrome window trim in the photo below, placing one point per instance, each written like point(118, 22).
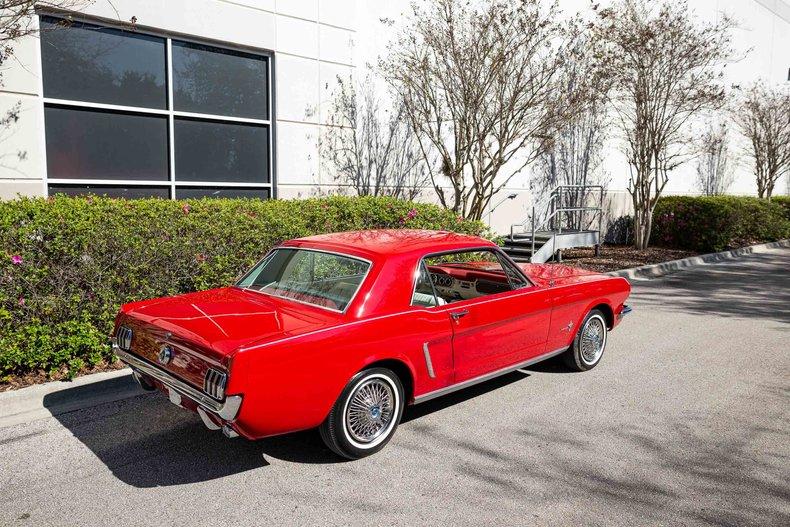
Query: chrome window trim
point(226, 410)
point(299, 248)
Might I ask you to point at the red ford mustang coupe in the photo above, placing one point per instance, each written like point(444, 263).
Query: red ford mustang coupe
point(341, 331)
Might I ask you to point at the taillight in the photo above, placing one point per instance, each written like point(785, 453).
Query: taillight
point(124, 338)
point(214, 384)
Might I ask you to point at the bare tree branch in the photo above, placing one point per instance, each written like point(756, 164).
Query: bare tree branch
point(478, 84)
point(715, 164)
point(665, 69)
point(370, 148)
point(763, 116)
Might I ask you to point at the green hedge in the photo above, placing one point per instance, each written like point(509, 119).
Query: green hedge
point(68, 263)
point(784, 202)
point(717, 223)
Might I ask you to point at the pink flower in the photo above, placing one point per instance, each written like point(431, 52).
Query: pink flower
point(21, 301)
point(186, 208)
point(17, 260)
point(412, 214)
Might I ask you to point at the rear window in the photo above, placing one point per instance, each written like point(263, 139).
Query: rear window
point(313, 277)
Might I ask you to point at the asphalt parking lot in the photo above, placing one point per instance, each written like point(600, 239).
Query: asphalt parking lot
point(686, 421)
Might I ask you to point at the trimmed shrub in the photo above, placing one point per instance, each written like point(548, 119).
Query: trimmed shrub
point(784, 202)
point(717, 223)
point(67, 264)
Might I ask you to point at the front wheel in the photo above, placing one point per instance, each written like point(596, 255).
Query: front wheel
point(366, 414)
point(589, 343)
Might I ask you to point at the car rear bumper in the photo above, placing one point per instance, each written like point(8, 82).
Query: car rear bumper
point(624, 311)
point(226, 410)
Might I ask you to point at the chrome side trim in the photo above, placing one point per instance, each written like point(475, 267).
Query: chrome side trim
point(488, 376)
point(428, 362)
point(226, 410)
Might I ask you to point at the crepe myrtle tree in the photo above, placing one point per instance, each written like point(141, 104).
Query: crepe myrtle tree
point(665, 68)
point(763, 116)
point(575, 155)
point(369, 146)
point(479, 85)
point(715, 161)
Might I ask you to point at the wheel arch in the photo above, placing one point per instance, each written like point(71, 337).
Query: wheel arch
point(607, 311)
point(400, 368)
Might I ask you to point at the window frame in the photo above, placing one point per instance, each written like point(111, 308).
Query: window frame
point(501, 256)
point(307, 249)
point(171, 183)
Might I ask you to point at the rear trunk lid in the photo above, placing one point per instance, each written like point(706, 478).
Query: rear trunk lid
point(204, 329)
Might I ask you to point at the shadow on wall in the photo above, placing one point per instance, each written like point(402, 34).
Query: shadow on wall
point(733, 288)
point(148, 442)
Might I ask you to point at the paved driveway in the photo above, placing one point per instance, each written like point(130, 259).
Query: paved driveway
point(685, 421)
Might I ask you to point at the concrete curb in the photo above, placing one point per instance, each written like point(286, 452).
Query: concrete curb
point(59, 397)
point(646, 272)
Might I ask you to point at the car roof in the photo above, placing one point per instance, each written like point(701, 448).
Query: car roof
point(392, 241)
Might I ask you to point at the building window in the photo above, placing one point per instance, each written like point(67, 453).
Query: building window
point(135, 115)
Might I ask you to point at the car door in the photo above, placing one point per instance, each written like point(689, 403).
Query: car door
point(499, 327)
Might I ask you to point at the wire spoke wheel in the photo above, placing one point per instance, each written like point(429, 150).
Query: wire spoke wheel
point(593, 340)
point(370, 410)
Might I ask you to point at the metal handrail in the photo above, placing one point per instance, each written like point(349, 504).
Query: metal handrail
point(554, 211)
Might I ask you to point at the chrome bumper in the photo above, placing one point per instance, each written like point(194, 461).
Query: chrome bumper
point(626, 309)
point(226, 410)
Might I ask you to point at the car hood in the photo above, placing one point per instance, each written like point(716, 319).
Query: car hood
point(226, 319)
point(543, 274)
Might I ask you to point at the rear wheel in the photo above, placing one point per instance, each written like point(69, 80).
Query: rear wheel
point(366, 415)
point(589, 343)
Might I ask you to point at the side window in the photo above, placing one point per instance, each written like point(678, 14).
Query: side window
point(470, 274)
point(517, 280)
point(424, 295)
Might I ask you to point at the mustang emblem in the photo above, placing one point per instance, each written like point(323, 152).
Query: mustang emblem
point(165, 354)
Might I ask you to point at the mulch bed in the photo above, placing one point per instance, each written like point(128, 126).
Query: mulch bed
point(612, 258)
point(616, 257)
point(14, 382)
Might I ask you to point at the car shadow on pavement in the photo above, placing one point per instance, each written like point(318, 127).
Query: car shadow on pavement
point(148, 442)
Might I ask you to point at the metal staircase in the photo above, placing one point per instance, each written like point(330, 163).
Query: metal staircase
point(561, 220)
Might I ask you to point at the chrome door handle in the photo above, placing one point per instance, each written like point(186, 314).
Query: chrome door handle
point(458, 314)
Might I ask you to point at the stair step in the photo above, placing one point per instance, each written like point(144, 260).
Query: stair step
point(519, 244)
point(518, 250)
point(519, 237)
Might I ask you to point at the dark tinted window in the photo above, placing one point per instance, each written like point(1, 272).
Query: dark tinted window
point(225, 192)
point(219, 81)
point(98, 144)
point(218, 151)
point(111, 191)
point(88, 63)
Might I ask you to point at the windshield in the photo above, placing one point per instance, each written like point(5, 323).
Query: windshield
point(322, 279)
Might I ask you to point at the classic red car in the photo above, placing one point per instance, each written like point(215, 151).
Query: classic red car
point(341, 331)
